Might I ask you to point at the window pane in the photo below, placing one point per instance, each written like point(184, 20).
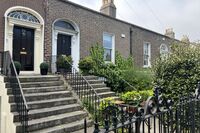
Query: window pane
point(146, 54)
point(64, 25)
point(107, 41)
point(107, 54)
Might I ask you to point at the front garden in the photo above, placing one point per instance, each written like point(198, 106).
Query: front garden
point(175, 75)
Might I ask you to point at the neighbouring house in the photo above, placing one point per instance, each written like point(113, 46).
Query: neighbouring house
point(36, 31)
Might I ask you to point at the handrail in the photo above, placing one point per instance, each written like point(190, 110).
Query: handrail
point(84, 79)
point(9, 70)
point(81, 86)
point(20, 87)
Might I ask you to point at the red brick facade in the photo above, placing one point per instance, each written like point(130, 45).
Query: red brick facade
point(92, 25)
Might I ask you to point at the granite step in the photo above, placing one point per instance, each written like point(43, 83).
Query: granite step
point(46, 112)
point(39, 78)
point(36, 84)
point(66, 128)
point(43, 96)
point(39, 90)
point(47, 103)
point(79, 82)
point(93, 85)
point(56, 120)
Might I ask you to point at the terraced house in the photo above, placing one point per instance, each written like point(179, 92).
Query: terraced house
point(36, 31)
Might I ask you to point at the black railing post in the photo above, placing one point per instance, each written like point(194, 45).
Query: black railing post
point(96, 126)
point(85, 126)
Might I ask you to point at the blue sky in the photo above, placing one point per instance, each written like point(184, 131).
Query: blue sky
point(157, 15)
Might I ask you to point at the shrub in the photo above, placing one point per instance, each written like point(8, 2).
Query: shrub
point(145, 94)
point(123, 69)
point(136, 97)
point(106, 102)
point(178, 74)
point(17, 65)
point(131, 98)
point(97, 53)
point(86, 65)
point(140, 79)
point(44, 65)
point(64, 61)
point(123, 63)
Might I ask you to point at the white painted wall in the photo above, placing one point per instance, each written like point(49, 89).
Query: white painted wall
point(6, 117)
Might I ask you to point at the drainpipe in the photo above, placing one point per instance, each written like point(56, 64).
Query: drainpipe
point(131, 41)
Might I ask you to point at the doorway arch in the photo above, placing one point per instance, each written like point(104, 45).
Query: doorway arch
point(67, 34)
point(25, 19)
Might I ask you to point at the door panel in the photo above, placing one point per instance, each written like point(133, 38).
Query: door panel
point(64, 45)
point(23, 47)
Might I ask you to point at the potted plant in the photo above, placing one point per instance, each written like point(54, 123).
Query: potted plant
point(17, 67)
point(44, 68)
point(64, 63)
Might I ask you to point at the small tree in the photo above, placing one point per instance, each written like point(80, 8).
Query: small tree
point(179, 73)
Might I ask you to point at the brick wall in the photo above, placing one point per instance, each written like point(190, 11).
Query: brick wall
point(140, 36)
point(36, 5)
point(92, 25)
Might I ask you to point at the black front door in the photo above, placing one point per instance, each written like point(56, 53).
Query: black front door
point(64, 45)
point(23, 47)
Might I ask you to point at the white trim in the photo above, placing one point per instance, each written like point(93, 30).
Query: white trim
point(75, 43)
point(113, 46)
point(38, 39)
point(149, 53)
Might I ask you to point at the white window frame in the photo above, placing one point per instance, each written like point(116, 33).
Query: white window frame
point(113, 47)
point(164, 54)
point(149, 55)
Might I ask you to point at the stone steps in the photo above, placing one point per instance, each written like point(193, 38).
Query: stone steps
point(79, 82)
point(93, 85)
point(39, 89)
point(36, 84)
point(97, 84)
point(47, 103)
point(46, 112)
point(98, 90)
point(56, 120)
point(40, 78)
point(52, 108)
point(43, 96)
point(66, 128)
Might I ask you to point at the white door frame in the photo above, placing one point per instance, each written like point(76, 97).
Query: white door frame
point(38, 35)
point(75, 44)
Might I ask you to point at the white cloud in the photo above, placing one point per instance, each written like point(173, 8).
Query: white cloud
point(156, 15)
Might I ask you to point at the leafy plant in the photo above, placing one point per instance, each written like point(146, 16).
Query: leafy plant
point(141, 79)
point(97, 53)
point(44, 65)
point(136, 97)
point(106, 102)
point(117, 74)
point(86, 65)
point(178, 74)
point(64, 61)
point(131, 98)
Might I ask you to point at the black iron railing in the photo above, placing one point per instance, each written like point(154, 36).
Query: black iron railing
point(8, 69)
point(81, 86)
point(159, 115)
